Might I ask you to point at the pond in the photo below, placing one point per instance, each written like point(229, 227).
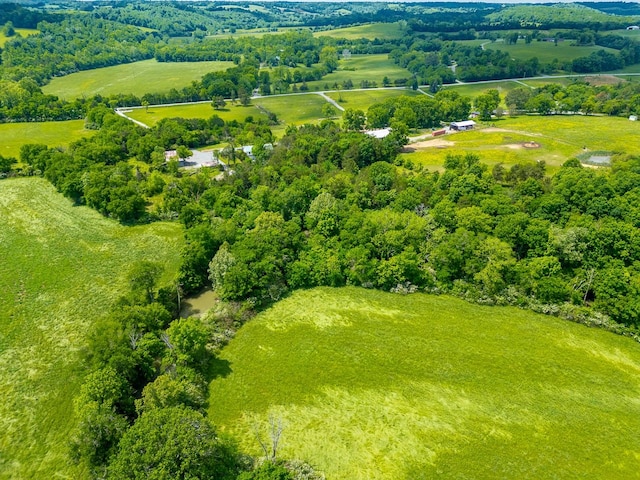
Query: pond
point(197, 305)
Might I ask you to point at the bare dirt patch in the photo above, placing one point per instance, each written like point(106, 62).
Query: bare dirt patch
point(598, 80)
point(435, 143)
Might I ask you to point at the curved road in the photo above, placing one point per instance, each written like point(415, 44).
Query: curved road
point(122, 111)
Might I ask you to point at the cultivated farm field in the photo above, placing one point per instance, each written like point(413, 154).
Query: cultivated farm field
point(138, 78)
point(61, 269)
point(373, 385)
point(52, 134)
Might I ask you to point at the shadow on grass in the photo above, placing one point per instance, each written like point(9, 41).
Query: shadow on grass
point(218, 368)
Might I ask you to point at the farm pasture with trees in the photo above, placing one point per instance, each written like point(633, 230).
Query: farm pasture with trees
point(378, 293)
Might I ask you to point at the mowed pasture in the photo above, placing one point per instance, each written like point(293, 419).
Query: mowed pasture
point(52, 134)
point(372, 385)
point(62, 267)
point(372, 68)
point(557, 138)
point(478, 88)
point(294, 109)
point(371, 31)
point(546, 51)
point(363, 99)
point(138, 78)
point(154, 114)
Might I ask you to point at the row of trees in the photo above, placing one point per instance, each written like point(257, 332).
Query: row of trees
point(141, 411)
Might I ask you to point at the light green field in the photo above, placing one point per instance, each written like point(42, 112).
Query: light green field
point(194, 110)
point(474, 89)
point(559, 138)
point(363, 99)
point(290, 110)
point(546, 51)
point(25, 32)
point(635, 34)
point(255, 32)
point(61, 269)
point(362, 67)
point(138, 78)
point(382, 31)
point(540, 82)
point(294, 109)
point(373, 385)
point(53, 134)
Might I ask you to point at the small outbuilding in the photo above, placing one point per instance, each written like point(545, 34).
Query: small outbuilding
point(462, 126)
point(380, 133)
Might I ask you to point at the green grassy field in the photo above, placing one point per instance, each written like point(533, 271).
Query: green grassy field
point(372, 385)
point(194, 110)
point(25, 32)
point(362, 67)
point(363, 99)
point(290, 110)
point(62, 268)
point(546, 51)
point(382, 31)
point(138, 78)
point(53, 134)
point(473, 90)
point(559, 138)
point(294, 109)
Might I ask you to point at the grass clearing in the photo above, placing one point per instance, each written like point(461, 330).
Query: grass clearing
point(193, 110)
point(372, 385)
point(138, 78)
point(362, 67)
point(559, 137)
point(53, 134)
point(474, 89)
point(546, 51)
point(294, 109)
point(61, 269)
point(25, 32)
point(363, 99)
point(382, 31)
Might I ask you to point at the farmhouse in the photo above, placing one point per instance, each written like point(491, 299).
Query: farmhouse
point(462, 126)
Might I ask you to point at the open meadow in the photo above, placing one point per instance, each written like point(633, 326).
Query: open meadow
point(546, 51)
point(372, 385)
point(554, 139)
point(138, 78)
point(52, 134)
point(24, 32)
point(474, 89)
point(294, 109)
point(154, 114)
point(363, 99)
point(371, 31)
point(62, 267)
point(372, 68)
